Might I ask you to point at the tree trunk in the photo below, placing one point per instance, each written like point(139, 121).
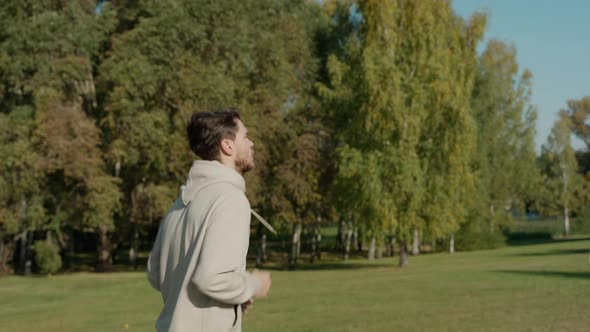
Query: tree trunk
point(24, 263)
point(261, 255)
point(134, 246)
point(318, 235)
point(24, 242)
point(316, 238)
point(295, 245)
point(566, 218)
point(316, 249)
point(22, 252)
point(416, 243)
point(391, 246)
point(2, 257)
point(301, 231)
point(357, 240)
point(452, 244)
point(380, 248)
point(566, 223)
point(433, 245)
point(313, 247)
point(492, 219)
point(403, 254)
point(348, 242)
point(341, 237)
point(71, 249)
point(5, 253)
point(117, 168)
point(372, 247)
point(104, 263)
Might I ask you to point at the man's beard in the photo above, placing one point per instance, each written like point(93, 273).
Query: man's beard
point(244, 165)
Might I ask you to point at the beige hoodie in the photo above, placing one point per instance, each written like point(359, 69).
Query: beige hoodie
point(198, 262)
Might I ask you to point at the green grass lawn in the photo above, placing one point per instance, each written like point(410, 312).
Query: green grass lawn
point(543, 287)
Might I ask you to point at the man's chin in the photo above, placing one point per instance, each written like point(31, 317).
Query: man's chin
point(244, 166)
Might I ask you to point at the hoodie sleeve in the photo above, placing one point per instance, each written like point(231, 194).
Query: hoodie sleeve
point(153, 264)
point(219, 272)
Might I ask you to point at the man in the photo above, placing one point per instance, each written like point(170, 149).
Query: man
point(198, 262)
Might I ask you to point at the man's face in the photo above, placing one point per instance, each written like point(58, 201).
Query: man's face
point(244, 158)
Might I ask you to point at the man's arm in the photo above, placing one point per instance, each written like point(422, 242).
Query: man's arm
point(223, 253)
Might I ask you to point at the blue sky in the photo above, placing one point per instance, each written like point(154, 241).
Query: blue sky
point(552, 39)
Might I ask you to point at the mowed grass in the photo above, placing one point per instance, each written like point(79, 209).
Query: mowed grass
point(543, 287)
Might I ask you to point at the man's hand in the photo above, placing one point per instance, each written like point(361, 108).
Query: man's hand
point(265, 283)
point(247, 305)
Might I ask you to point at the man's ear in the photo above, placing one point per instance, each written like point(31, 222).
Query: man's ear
point(227, 147)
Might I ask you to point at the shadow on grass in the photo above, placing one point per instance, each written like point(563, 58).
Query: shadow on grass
point(524, 239)
point(326, 266)
point(558, 274)
point(555, 252)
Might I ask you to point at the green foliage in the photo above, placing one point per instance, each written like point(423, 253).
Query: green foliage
point(581, 224)
point(476, 236)
point(376, 113)
point(400, 104)
point(565, 188)
point(47, 256)
point(578, 111)
point(504, 165)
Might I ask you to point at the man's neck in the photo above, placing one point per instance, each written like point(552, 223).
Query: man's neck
point(228, 162)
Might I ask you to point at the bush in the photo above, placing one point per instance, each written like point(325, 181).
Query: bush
point(581, 224)
point(534, 231)
point(478, 239)
point(47, 257)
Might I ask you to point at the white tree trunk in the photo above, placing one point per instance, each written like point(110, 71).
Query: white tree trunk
point(316, 240)
point(261, 254)
point(295, 244)
point(24, 262)
point(2, 256)
point(392, 246)
point(492, 219)
point(117, 168)
point(380, 247)
point(372, 248)
point(341, 237)
point(403, 254)
point(319, 243)
point(263, 246)
point(355, 237)
point(348, 241)
point(566, 222)
point(416, 243)
point(105, 260)
point(452, 244)
point(134, 246)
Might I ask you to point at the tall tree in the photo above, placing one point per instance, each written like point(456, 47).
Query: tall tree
point(49, 53)
point(578, 111)
point(564, 185)
point(21, 184)
point(181, 57)
point(444, 64)
point(393, 94)
point(504, 164)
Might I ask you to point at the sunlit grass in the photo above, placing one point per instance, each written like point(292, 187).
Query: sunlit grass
point(543, 287)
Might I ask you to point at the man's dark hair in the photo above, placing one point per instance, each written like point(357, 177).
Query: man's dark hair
point(206, 130)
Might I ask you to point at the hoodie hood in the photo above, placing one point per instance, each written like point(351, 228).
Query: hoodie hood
point(204, 173)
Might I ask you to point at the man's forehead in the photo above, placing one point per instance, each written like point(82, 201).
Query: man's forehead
point(241, 126)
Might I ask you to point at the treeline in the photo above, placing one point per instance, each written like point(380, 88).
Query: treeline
point(376, 116)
